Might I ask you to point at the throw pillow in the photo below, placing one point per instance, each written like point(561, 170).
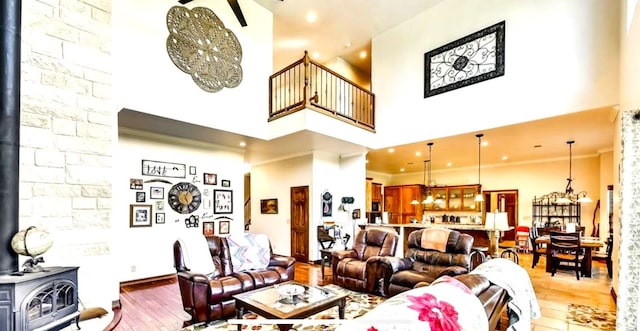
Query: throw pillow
point(197, 255)
point(249, 251)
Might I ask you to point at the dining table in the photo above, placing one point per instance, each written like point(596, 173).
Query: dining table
point(588, 243)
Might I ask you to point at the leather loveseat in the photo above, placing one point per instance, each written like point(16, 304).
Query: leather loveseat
point(208, 297)
point(423, 264)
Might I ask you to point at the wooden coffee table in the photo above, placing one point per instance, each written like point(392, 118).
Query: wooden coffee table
point(268, 303)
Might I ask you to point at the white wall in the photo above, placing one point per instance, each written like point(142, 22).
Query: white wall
point(149, 250)
point(146, 80)
point(274, 181)
point(560, 57)
point(321, 172)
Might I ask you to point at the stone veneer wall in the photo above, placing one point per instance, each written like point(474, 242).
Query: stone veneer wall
point(68, 129)
point(629, 252)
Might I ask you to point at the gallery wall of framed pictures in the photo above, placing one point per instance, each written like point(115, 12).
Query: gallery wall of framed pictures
point(168, 193)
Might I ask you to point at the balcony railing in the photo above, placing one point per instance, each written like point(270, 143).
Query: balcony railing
point(308, 84)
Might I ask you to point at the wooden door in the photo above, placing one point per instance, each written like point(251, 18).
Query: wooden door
point(300, 223)
point(508, 202)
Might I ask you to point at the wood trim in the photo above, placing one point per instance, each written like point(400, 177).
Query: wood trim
point(116, 307)
point(147, 280)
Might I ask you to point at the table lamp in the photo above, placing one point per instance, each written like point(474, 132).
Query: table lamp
point(494, 223)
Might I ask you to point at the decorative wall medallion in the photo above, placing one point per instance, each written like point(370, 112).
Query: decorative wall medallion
point(202, 47)
point(468, 60)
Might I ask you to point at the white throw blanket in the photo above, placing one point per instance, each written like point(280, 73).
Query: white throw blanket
point(395, 313)
point(515, 280)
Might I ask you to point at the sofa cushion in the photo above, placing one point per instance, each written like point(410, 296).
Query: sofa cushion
point(249, 251)
point(197, 256)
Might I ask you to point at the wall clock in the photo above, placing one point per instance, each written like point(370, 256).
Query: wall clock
point(184, 198)
point(468, 60)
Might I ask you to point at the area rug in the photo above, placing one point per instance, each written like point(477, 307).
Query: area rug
point(357, 304)
point(591, 317)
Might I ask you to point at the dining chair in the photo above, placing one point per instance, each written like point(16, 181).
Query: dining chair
point(537, 249)
point(606, 257)
point(565, 248)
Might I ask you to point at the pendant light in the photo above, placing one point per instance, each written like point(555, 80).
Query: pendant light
point(415, 201)
point(479, 197)
point(429, 199)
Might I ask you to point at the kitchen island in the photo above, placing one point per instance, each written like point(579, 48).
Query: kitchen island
point(477, 231)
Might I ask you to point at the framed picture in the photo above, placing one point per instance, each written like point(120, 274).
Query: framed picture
point(139, 215)
point(160, 205)
point(140, 196)
point(469, 60)
point(269, 206)
point(135, 183)
point(208, 228)
point(210, 179)
point(222, 201)
point(226, 183)
point(192, 170)
point(223, 227)
point(156, 193)
point(159, 218)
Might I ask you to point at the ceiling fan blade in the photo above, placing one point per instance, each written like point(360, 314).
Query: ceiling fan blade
point(236, 10)
point(184, 1)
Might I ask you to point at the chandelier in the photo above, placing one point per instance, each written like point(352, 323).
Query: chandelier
point(568, 196)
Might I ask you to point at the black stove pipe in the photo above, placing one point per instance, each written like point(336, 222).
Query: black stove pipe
point(10, 23)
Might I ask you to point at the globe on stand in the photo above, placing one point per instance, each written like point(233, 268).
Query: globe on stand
point(31, 242)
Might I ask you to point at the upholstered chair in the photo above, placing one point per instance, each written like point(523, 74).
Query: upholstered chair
point(431, 253)
point(350, 267)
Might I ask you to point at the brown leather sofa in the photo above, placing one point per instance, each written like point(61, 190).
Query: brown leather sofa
point(423, 265)
point(350, 267)
point(210, 297)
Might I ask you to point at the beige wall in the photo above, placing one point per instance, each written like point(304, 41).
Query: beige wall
point(531, 180)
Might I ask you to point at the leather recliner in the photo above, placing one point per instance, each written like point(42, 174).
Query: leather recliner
point(210, 297)
point(350, 267)
point(423, 265)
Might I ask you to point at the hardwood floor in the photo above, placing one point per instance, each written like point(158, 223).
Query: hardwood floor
point(157, 305)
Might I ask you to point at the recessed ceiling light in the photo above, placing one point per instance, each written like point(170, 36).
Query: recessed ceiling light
point(449, 164)
point(242, 144)
point(504, 157)
point(315, 55)
point(401, 169)
point(485, 143)
point(391, 150)
point(418, 153)
point(311, 16)
point(363, 54)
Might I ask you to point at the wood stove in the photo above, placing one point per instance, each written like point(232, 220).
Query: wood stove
point(39, 301)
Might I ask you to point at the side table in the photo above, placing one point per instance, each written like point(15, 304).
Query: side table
point(325, 253)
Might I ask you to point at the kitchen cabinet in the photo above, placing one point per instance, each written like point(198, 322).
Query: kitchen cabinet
point(397, 203)
point(454, 198)
point(376, 192)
